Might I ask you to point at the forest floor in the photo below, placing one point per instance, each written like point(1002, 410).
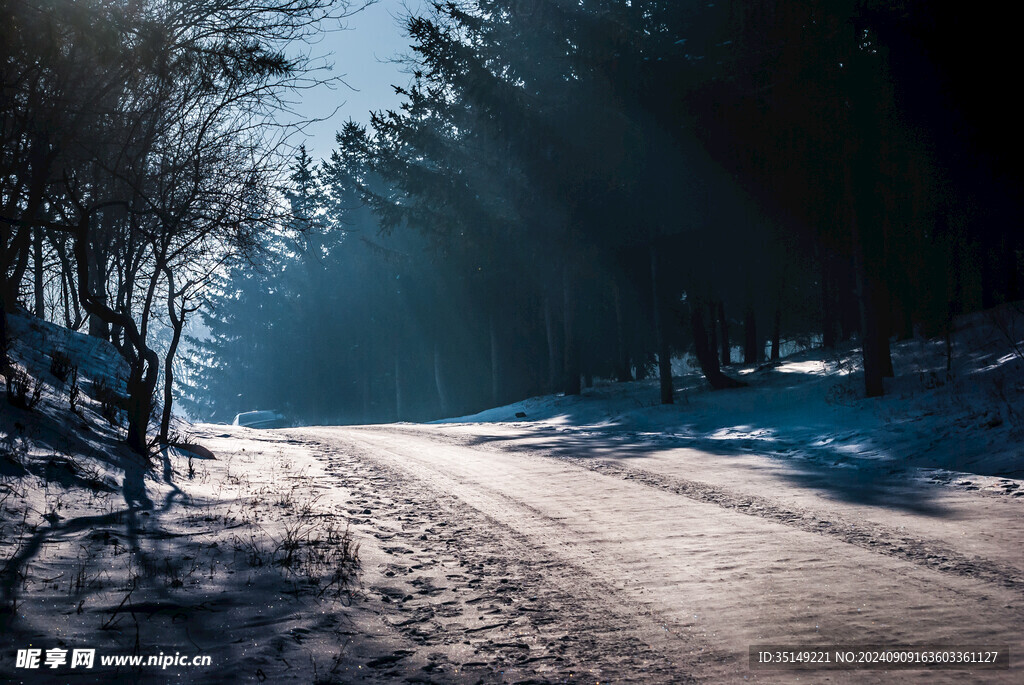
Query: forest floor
point(598, 538)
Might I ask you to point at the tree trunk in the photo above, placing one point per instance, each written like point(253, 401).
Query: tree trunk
point(398, 387)
point(869, 245)
point(139, 406)
point(1011, 271)
point(622, 371)
point(724, 323)
point(874, 366)
point(15, 247)
point(367, 372)
point(572, 353)
point(140, 410)
point(4, 341)
point(177, 318)
point(37, 259)
point(707, 355)
point(98, 327)
point(713, 329)
point(168, 408)
point(777, 334)
point(867, 250)
point(849, 306)
point(868, 189)
point(442, 395)
point(553, 363)
point(829, 305)
point(664, 350)
point(749, 335)
point(495, 366)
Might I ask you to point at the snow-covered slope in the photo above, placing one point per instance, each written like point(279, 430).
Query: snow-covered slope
point(102, 549)
point(811, 405)
point(56, 462)
point(50, 429)
point(34, 342)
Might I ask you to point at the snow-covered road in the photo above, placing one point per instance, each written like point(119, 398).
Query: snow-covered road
point(530, 553)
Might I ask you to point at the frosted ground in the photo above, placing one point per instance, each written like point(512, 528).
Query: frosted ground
point(600, 537)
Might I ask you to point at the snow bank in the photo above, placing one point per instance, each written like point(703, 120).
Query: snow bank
point(811, 405)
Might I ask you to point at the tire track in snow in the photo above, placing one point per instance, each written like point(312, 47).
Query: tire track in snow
point(876, 538)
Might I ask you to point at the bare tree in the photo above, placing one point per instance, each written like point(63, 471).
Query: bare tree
point(152, 133)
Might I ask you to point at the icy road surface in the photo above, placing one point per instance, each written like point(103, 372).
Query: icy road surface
point(509, 552)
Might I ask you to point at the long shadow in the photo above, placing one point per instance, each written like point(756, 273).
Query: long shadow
point(136, 499)
point(46, 432)
point(188, 617)
point(812, 456)
point(30, 549)
point(881, 485)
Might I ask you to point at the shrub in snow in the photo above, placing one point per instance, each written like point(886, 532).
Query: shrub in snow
point(22, 391)
point(60, 366)
point(110, 401)
point(74, 391)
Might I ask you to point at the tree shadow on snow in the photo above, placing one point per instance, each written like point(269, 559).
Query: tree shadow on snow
point(814, 452)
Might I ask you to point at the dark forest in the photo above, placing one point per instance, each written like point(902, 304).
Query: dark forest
point(569, 191)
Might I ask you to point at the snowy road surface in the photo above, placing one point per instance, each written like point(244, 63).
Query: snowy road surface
point(505, 551)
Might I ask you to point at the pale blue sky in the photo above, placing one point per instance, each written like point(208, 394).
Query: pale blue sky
point(361, 56)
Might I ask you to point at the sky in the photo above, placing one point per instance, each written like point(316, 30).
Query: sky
point(361, 54)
